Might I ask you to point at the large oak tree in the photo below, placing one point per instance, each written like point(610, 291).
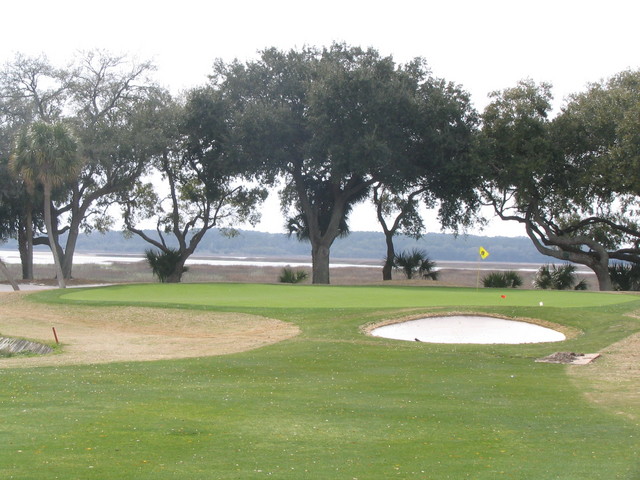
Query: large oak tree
point(571, 180)
point(331, 122)
point(196, 186)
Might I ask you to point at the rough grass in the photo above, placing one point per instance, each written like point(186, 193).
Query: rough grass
point(613, 382)
point(331, 402)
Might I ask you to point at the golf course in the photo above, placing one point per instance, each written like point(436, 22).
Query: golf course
point(252, 381)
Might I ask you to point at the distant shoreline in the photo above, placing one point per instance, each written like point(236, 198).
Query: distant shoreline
point(11, 257)
point(357, 248)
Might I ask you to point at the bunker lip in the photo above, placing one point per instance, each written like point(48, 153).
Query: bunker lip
point(470, 328)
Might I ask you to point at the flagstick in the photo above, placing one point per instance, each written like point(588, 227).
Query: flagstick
point(482, 253)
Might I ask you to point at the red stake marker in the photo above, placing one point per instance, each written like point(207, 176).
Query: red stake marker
point(55, 335)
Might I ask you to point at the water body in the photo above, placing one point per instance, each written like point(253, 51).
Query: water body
point(44, 257)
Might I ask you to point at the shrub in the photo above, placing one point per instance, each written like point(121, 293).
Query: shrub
point(558, 278)
point(163, 263)
point(581, 285)
point(288, 275)
point(508, 279)
point(625, 276)
point(543, 279)
point(416, 262)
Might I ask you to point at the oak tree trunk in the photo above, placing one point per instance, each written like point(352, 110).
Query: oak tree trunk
point(178, 271)
point(320, 264)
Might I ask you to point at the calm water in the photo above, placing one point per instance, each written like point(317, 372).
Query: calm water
point(44, 257)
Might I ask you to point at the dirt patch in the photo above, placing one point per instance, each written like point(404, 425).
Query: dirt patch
point(569, 358)
point(116, 334)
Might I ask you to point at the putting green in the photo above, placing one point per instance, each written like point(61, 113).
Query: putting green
point(314, 296)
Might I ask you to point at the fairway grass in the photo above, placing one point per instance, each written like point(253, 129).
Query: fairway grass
point(330, 403)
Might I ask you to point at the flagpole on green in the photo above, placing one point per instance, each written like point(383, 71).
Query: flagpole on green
point(483, 253)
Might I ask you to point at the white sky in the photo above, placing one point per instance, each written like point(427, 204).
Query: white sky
point(482, 45)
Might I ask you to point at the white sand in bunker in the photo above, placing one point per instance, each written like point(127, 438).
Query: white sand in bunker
point(118, 334)
point(468, 329)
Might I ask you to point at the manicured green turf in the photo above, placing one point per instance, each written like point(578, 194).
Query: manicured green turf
point(330, 403)
point(305, 296)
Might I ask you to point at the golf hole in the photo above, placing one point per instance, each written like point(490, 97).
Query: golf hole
point(468, 329)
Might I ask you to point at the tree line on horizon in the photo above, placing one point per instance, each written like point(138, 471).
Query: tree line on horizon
point(98, 142)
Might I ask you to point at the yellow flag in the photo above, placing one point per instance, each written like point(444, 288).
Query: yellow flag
point(483, 253)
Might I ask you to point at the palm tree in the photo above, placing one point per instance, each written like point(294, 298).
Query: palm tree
point(416, 262)
point(561, 277)
point(166, 264)
point(625, 276)
point(47, 154)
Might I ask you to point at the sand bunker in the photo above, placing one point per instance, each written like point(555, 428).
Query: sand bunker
point(118, 334)
point(468, 329)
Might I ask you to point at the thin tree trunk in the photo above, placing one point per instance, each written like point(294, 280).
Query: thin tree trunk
point(387, 268)
point(25, 247)
point(24, 256)
point(25, 243)
point(29, 233)
point(52, 242)
point(8, 276)
point(389, 232)
point(69, 251)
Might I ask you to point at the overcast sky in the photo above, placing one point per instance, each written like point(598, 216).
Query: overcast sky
point(482, 45)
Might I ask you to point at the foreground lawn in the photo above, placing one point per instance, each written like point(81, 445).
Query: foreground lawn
point(330, 403)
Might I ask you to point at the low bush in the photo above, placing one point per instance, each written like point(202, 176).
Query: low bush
point(164, 263)
point(289, 275)
point(558, 278)
point(508, 279)
point(416, 262)
point(625, 276)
